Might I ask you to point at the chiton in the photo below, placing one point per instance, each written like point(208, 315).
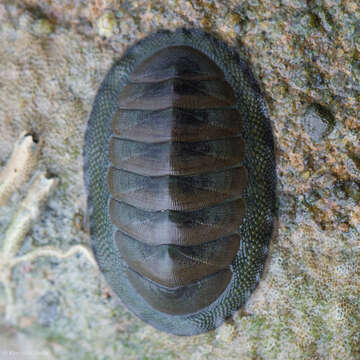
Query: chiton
point(180, 174)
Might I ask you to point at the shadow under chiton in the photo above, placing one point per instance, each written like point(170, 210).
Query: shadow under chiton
point(180, 173)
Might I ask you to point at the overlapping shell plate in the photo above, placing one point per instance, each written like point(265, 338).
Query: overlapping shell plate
point(179, 167)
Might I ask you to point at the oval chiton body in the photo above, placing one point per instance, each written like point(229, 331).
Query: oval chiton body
point(180, 173)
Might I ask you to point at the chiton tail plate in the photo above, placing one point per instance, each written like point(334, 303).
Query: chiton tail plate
point(180, 174)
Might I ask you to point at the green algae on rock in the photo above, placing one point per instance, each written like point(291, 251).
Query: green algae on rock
point(180, 174)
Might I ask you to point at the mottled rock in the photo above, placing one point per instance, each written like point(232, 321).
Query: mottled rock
point(318, 122)
point(49, 308)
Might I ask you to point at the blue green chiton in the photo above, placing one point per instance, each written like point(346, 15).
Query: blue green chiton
point(180, 174)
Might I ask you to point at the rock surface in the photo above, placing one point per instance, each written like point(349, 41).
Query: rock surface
point(53, 57)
